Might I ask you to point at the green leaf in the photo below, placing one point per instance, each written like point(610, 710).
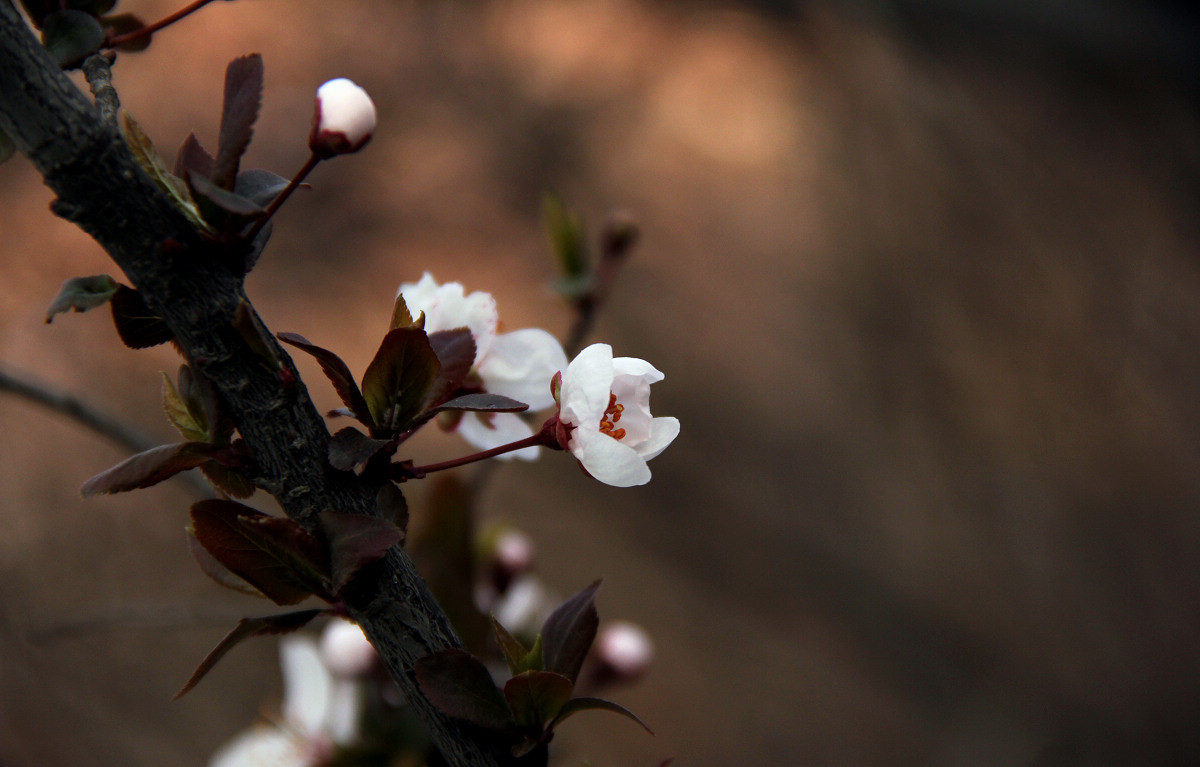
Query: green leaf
point(575, 705)
point(80, 294)
point(567, 239)
point(536, 697)
point(568, 633)
point(399, 377)
point(484, 402)
point(354, 542)
point(124, 24)
point(275, 555)
point(246, 628)
point(519, 659)
point(215, 570)
point(7, 147)
point(243, 95)
point(180, 415)
point(138, 327)
point(338, 374)
point(148, 468)
point(455, 351)
point(147, 157)
point(459, 685)
point(71, 36)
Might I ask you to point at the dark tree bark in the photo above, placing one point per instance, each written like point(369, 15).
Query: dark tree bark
point(183, 279)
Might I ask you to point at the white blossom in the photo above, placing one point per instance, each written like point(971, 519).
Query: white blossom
point(606, 402)
point(518, 365)
point(319, 712)
point(343, 119)
point(625, 648)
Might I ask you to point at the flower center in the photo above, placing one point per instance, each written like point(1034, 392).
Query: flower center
point(612, 414)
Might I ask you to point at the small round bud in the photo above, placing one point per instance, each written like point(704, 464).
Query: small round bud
point(514, 552)
point(345, 650)
point(343, 120)
point(624, 651)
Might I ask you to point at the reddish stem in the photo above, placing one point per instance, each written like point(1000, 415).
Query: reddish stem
point(286, 193)
point(150, 29)
point(543, 438)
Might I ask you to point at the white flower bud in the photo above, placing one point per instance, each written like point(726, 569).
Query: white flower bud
point(625, 649)
point(514, 552)
point(343, 120)
point(345, 651)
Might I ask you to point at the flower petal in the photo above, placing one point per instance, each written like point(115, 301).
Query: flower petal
point(306, 684)
point(262, 746)
point(520, 365)
point(586, 386)
point(663, 432)
point(447, 307)
point(608, 460)
point(632, 366)
point(496, 429)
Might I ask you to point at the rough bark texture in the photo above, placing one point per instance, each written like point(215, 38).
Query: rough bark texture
point(101, 188)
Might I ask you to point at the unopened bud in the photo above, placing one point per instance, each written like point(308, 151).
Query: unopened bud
point(623, 651)
point(345, 650)
point(343, 120)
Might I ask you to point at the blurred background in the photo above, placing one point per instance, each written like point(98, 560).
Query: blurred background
point(923, 277)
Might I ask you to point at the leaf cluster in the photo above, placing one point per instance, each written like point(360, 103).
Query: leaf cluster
point(539, 695)
point(414, 376)
point(72, 30)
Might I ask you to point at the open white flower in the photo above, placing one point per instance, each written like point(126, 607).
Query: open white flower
point(606, 401)
point(343, 120)
point(519, 364)
point(320, 710)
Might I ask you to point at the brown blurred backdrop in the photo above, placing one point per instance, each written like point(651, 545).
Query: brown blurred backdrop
point(923, 278)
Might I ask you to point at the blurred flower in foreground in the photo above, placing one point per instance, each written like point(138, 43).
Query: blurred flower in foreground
point(322, 704)
point(343, 120)
point(604, 416)
point(622, 652)
point(519, 364)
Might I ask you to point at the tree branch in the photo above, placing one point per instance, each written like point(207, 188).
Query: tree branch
point(185, 280)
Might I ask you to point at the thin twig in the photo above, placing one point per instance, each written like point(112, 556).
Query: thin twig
point(98, 70)
point(108, 426)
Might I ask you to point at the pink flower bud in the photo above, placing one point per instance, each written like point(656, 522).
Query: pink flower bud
point(343, 120)
point(624, 652)
point(345, 651)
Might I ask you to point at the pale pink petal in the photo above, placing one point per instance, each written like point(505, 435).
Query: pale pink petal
point(663, 432)
point(520, 365)
point(496, 429)
point(447, 307)
point(306, 684)
point(632, 366)
point(262, 746)
point(586, 386)
point(608, 460)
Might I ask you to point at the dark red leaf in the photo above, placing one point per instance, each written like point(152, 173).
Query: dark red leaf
point(392, 506)
point(246, 628)
point(514, 652)
point(243, 94)
point(80, 294)
point(399, 377)
point(246, 323)
point(339, 375)
point(148, 468)
point(273, 554)
point(536, 697)
point(459, 685)
point(138, 327)
point(350, 448)
point(71, 36)
point(123, 24)
point(568, 633)
point(225, 211)
point(230, 481)
point(217, 571)
point(576, 705)
point(485, 403)
point(455, 350)
point(355, 541)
